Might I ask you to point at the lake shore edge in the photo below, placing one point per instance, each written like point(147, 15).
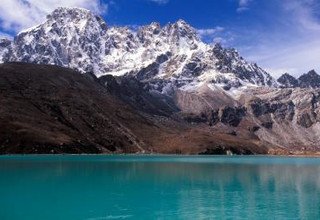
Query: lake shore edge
point(302, 155)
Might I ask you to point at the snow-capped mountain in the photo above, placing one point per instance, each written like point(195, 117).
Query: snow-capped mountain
point(69, 37)
point(166, 57)
point(155, 84)
point(307, 80)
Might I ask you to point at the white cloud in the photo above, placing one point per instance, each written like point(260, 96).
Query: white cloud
point(295, 59)
point(293, 45)
point(210, 31)
point(212, 34)
point(243, 5)
point(303, 13)
point(276, 73)
point(220, 40)
point(160, 2)
point(16, 15)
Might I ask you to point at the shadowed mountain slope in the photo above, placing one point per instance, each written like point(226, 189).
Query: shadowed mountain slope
point(50, 109)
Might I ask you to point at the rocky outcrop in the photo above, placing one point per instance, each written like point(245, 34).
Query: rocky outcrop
point(279, 110)
point(287, 118)
point(232, 115)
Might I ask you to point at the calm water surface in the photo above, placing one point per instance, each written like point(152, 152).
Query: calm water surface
point(158, 187)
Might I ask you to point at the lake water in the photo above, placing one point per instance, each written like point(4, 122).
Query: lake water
point(158, 187)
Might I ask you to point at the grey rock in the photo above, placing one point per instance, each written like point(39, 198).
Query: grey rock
point(288, 81)
point(309, 80)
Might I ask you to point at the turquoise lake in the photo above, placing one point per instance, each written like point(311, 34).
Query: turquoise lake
point(158, 187)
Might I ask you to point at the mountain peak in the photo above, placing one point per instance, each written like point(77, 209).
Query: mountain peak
point(181, 29)
point(312, 73)
point(155, 25)
point(63, 11)
point(310, 79)
point(288, 81)
point(182, 23)
point(75, 16)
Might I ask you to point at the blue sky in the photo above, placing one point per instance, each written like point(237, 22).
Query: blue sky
point(280, 35)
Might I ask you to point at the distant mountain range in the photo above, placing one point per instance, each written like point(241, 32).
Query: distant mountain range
point(209, 98)
point(307, 80)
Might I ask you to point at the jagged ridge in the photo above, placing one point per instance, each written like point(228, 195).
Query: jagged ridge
point(166, 57)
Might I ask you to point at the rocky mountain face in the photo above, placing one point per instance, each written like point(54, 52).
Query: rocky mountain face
point(168, 57)
point(307, 80)
point(67, 38)
point(49, 109)
point(157, 89)
point(287, 117)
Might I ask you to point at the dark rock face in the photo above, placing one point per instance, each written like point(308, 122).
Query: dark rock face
point(288, 81)
point(135, 93)
point(279, 110)
point(309, 80)
point(254, 129)
point(194, 68)
point(210, 117)
point(260, 108)
point(267, 125)
point(4, 43)
point(232, 115)
point(283, 110)
point(148, 72)
point(305, 120)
